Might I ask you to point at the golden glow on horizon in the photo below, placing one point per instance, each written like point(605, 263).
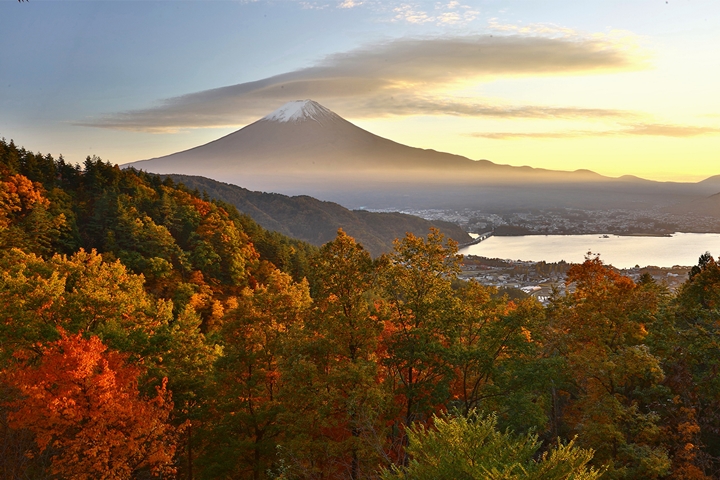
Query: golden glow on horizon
point(650, 157)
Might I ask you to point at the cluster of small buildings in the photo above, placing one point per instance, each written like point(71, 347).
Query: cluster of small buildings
point(541, 279)
point(537, 279)
point(573, 221)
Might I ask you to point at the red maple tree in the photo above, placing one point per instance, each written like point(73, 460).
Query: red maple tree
point(82, 403)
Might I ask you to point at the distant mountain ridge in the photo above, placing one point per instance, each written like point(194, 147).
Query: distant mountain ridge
point(304, 148)
point(708, 207)
point(317, 222)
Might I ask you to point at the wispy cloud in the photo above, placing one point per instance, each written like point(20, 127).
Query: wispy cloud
point(665, 130)
point(411, 14)
point(431, 105)
point(401, 77)
point(314, 5)
point(451, 13)
point(638, 129)
point(544, 29)
point(349, 4)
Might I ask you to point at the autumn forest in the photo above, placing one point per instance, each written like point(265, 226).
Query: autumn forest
point(148, 331)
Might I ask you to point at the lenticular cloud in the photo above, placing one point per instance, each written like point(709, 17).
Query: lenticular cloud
point(407, 73)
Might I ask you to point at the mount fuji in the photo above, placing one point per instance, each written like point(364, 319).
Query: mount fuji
point(305, 148)
point(302, 142)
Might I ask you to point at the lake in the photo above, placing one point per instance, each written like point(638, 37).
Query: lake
point(620, 251)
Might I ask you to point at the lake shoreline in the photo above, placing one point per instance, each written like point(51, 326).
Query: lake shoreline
point(621, 251)
point(536, 234)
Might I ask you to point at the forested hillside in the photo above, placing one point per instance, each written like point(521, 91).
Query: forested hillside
point(146, 331)
point(317, 222)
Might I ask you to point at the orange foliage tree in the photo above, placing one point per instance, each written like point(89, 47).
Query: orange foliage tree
point(416, 279)
point(599, 329)
point(82, 403)
point(332, 372)
point(245, 424)
point(495, 356)
point(686, 339)
point(24, 217)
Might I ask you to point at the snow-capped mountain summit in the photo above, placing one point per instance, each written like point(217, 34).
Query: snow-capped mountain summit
point(305, 148)
point(300, 139)
point(300, 110)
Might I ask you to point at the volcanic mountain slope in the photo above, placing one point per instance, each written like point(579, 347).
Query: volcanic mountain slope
point(304, 148)
point(300, 135)
point(303, 135)
point(317, 222)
